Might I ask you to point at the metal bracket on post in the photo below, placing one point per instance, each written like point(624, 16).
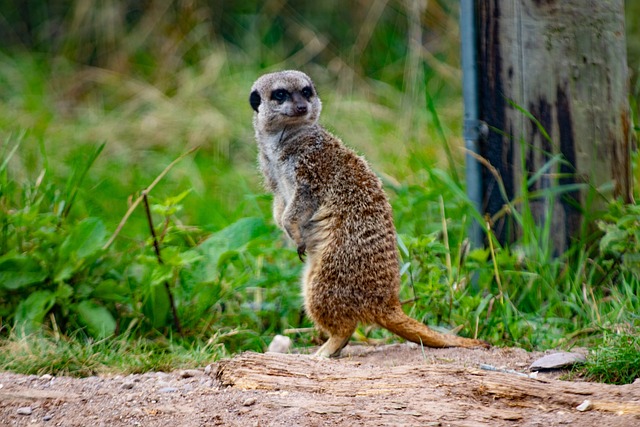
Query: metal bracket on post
point(475, 130)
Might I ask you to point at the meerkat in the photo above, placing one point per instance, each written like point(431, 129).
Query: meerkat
point(329, 202)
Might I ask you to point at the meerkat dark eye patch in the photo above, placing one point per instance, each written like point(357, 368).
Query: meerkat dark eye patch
point(307, 92)
point(254, 100)
point(280, 95)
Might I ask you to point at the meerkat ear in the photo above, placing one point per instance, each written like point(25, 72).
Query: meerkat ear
point(254, 100)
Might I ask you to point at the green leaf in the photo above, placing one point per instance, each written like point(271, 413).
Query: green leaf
point(156, 307)
point(85, 240)
point(613, 241)
point(18, 271)
point(64, 292)
point(98, 320)
point(111, 290)
point(64, 271)
point(402, 246)
point(232, 238)
point(30, 312)
point(170, 205)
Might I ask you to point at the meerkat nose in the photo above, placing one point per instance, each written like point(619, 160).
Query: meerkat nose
point(300, 103)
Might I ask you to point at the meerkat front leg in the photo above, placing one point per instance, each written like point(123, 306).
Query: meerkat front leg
point(296, 216)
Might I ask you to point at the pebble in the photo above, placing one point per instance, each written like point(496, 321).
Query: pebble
point(249, 402)
point(25, 410)
point(558, 360)
point(280, 344)
point(168, 390)
point(189, 373)
point(47, 417)
point(46, 377)
point(584, 406)
point(128, 385)
point(207, 369)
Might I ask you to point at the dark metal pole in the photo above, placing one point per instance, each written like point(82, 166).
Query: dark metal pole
point(473, 128)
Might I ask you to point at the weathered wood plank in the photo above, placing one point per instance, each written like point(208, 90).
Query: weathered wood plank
point(565, 63)
point(494, 394)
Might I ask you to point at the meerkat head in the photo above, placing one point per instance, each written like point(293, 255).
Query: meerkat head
point(284, 99)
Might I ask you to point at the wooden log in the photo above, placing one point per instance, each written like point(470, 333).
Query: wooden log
point(429, 391)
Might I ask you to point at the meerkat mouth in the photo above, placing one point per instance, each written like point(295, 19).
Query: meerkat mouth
point(294, 115)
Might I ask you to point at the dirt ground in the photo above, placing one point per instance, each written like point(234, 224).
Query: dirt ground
point(393, 385)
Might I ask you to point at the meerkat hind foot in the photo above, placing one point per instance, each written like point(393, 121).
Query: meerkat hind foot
point(332, 347)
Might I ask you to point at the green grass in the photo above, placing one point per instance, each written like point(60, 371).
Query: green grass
point(71, 356)
point(616, 360)
point(81, 137)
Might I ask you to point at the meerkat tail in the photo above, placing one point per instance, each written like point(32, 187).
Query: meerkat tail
point(412, 330)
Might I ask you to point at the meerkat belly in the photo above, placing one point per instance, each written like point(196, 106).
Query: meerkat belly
point(356, 269)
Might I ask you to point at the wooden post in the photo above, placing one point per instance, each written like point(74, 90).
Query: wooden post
point(565, 63)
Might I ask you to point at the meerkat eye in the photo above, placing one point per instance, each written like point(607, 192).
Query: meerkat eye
point(307, 92)
point(279, 95)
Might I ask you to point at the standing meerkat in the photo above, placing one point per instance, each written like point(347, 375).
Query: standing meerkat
point(332, 205)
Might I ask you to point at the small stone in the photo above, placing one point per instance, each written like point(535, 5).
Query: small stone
point(168, 390)
point(558, 360)
point(207, 369)
point(189, 373)
point(249, 401)
point(584, 406)
point(47, 417)
point(280, 344)
point(25, 410)
point(128, 385)
point(46, 377)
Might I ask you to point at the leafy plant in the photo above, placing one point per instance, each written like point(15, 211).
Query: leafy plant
point(49, 263)
point(616, 360)
point(620, 243)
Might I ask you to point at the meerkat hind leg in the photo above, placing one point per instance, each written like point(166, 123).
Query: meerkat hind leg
point(333, 346)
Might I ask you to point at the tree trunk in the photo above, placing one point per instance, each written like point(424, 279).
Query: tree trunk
point(564, 62)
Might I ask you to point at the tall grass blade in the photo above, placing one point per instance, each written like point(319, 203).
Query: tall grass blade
point(76, 179)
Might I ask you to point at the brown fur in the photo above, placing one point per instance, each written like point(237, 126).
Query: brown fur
point(330, 203)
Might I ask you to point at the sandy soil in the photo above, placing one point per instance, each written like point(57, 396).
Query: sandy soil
point(388, 385)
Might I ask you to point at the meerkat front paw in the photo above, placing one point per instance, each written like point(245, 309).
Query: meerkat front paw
point(302, 251)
